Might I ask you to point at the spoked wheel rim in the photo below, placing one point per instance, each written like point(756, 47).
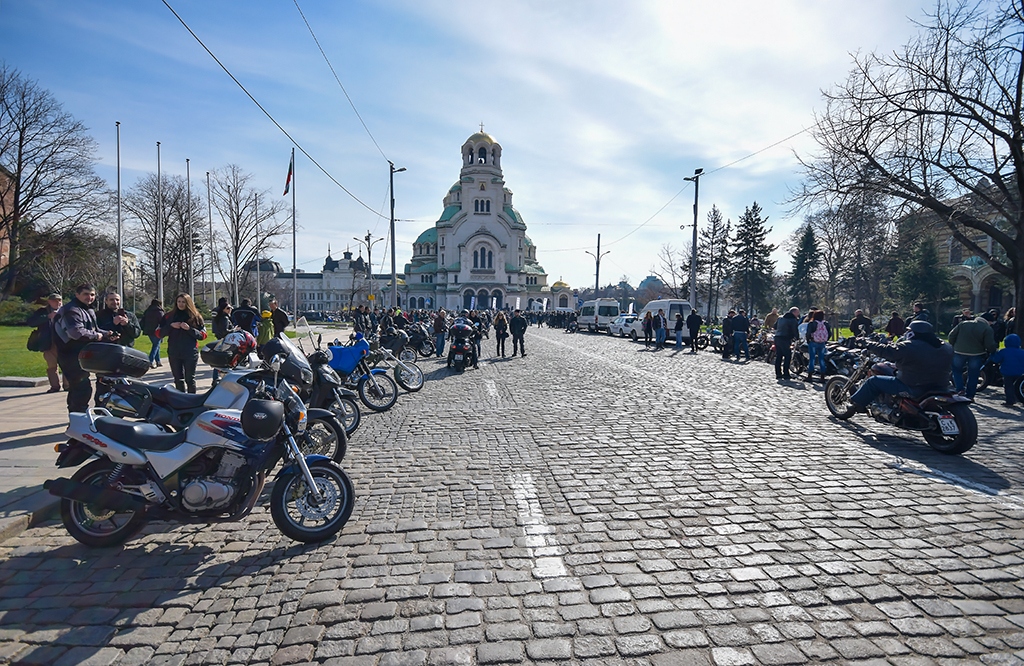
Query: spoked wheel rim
point(378, 392)
point(320, 440)
point(410, 377)
point(837, 397)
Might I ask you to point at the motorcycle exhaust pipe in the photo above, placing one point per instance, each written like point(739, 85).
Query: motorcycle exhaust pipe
point(98, 496)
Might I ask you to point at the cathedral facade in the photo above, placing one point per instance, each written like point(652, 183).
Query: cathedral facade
point(477, 255)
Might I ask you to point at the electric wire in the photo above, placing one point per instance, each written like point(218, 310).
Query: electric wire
point(350, 102)
point(267, 113)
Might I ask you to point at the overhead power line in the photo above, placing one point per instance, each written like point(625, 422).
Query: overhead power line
point(267, 113)
point(327, 60)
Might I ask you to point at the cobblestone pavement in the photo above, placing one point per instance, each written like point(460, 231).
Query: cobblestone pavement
point(592, 503)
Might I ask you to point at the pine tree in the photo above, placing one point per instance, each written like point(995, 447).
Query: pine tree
point(713, 256)
point(922, 277)
point(805, 262)
point(752, 268)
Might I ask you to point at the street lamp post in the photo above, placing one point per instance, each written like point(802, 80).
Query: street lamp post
point(394, 274)
point(597, 273)
point(159, 229)
point(695, 179)
point(369, 241)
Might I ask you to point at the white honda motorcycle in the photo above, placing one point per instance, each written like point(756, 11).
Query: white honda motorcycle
point(212, 471)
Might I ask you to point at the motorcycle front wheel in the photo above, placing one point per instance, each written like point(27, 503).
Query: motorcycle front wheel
point(426, 349)
point(837, 397)
point(702, 342)
point(378, 393)
point(324, 437)
point(410, 377)
point(799, 363)
point(88, 524)
point(300, 515)
point(962, 441)
point(346, 410)
point(407, 354)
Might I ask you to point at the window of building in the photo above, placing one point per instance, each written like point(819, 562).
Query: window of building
point(510, 279)
point(456, 279)
point(956, 252)
point(482, 206)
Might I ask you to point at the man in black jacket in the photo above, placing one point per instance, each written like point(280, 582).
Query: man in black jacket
point(787, 329)
point(279, 318)
point(740, 330)
point(115, 318)
point(693, 324)
point(75, 329)
point(517, 327)
point(727, 333)
point(860, 325)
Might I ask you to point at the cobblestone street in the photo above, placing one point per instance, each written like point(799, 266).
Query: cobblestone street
point(591, 503)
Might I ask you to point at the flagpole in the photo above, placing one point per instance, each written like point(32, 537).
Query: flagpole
point(159, 230)
point(209, 214)
point(120, 250)
point(191, 234)
point(295, 272)
point(256, 212)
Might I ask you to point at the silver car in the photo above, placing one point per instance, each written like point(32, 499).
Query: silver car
point(620, 326)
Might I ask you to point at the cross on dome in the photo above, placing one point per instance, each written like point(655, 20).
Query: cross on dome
point(481, 127)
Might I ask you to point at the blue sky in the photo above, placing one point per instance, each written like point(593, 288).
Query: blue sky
point(601, 107)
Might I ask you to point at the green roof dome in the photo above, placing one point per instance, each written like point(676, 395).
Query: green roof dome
point(428, 236)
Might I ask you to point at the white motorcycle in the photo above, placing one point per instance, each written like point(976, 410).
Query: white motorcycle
point(212, 471)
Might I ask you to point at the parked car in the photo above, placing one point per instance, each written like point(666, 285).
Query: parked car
point(621, 325)
point(671, 306)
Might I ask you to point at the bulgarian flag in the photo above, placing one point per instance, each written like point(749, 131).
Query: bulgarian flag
point(291, 168)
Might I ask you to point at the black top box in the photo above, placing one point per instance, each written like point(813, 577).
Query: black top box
point(107, 358)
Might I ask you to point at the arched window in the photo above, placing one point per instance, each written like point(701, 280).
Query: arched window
point(490, 259)
point(563, 301)
point(482, 154)
point(476, 263)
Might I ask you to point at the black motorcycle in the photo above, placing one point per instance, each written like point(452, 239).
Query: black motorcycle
point(420, 339)
point(462, 350)
point(328, 391)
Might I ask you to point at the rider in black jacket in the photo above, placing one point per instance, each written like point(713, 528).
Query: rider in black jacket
point(922, 365)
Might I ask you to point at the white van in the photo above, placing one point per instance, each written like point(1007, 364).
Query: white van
point(672, 307)
point(596, 315)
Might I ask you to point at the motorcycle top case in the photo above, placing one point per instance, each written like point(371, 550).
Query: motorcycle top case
point(462, 330)
point(107, 358)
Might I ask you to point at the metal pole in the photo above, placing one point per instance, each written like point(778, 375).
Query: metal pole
point(159, 229)
point(693, 251)
point(295, 270)
point(597, 257)
point(394, 275)
point(209, 213)
point(120, 248)
point(191, 233)
point(256, 212)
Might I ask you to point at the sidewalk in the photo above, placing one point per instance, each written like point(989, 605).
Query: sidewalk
point(33, 423)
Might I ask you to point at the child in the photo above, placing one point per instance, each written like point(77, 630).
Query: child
point(1011, 366)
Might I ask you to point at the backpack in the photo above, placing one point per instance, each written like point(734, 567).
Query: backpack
point(820, 334)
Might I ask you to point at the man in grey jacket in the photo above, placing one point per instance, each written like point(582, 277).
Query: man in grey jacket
point(973, 340)
point(76, 327)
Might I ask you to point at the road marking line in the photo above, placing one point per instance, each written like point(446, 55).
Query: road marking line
point(546, 556)
point(492, 389)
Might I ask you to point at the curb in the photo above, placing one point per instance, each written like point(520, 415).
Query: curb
point(12, 526)
point(23, 382)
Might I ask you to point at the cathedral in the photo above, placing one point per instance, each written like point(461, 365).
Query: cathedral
point(477, 255)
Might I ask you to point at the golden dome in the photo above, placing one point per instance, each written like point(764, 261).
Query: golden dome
point(481, 136)
point(559, 285)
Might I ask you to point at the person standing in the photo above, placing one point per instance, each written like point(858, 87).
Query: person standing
point(679, 330)
point(1011, 367)
point(817, 335)
point(221, 320)
point(920, 314)
point(648, 326)
point(660, 329)
point(75, 328)
point(693, 324)
point(740, 329)
point(151, 319)
point(184, 329)
point(115, 318)
point(46, 341)
point(727, 334)
point(247, 318)
point(896, 326)
point(518, 329)
point(440, 331)
point(972, 342)
point(500, 333)
point(786, 330)
point(859, 325)
point(279, 318)
point(771, 319)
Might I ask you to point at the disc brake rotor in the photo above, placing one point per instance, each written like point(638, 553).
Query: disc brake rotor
point(307, 505)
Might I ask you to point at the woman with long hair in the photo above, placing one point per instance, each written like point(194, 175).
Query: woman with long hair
point(500, 333)
point(648, 325)
point(183, 327)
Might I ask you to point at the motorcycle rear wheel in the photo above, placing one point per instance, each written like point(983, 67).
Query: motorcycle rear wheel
point(324, 437)
point(837, 397)
point(426, 349)
point(702, 342)
point(378, 394)
point(412, 379)
point(346, 410)
point(956, 444)
point(799, 363)
point(298, 514)
point(99, 528)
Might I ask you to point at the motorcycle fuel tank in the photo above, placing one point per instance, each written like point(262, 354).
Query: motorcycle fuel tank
point(219, 428)
point(229, 394)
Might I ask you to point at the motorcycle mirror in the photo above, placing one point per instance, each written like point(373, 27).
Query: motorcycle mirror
point(319, 339)
point(277, 362)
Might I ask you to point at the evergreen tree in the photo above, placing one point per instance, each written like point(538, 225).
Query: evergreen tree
point(752, 268)
point(922, 277)
point(805, 263)
point(713, 257)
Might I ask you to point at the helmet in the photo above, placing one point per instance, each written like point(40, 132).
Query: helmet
point(464, 313)
point(230, 351)
point(391, 331)
point(921, 327)
point(266, 314)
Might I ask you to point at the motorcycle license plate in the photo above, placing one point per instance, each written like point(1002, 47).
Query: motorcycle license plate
point(948, 425)
point(458, 357)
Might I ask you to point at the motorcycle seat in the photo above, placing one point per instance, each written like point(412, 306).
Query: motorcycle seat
point(144, 436)
point(177, 400)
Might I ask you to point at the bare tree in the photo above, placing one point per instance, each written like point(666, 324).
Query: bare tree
point(251, 227)
point(938, 127)
point(673, 270)
point(47, 181)
point(834, 245)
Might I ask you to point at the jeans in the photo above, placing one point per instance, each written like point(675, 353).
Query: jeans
point(974, 365)
point(679, 339)
point(659, 337)
point(154, 353)
point(816, 350)
point(500, 348)
point(875, 386)
point(1010, 388)
point(783, 356)
point(517, 342)
point(739, 339)
point(184, 371)
point(440, 343)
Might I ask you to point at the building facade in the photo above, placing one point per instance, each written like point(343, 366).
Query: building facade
point(477, 255)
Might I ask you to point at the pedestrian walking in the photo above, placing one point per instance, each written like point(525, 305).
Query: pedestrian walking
point(75, 327)
point(972, 342)
point(183, 327)
point(518, 329)
point(679, 330)
point(693, 324)
point(500, 334)
point(817, 335)
point(740, 329)
point(786, 330)
point(1011, 366)
point(648, 326)
point(151, 319)
point(115, 318)
point(45, 340)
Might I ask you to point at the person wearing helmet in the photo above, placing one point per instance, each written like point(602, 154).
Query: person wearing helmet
point(922, 365)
